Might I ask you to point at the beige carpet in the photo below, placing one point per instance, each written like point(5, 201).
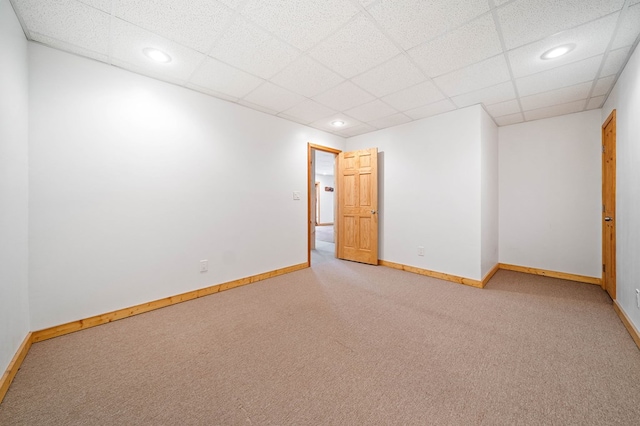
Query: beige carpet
point(325, 233)
point(345, 344)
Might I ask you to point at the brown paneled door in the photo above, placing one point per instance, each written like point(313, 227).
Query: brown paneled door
point(358, 206)
point(609, 205)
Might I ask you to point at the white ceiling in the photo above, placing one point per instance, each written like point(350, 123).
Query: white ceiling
point(370, 63)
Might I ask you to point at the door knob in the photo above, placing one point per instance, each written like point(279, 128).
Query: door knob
point(373, 212)
point(607, 219)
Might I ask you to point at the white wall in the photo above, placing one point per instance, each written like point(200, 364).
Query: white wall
point(489, 226)
point(429, 184)
point(14, 92)
point(134, 181)
point(326, 198)
point(625, 98)
point(550, 194)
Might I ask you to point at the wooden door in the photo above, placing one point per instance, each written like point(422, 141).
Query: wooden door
point(609, 205)
point(358, 206)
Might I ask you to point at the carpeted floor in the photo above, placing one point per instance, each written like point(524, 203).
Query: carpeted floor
point(344, 343)
point(325, 233)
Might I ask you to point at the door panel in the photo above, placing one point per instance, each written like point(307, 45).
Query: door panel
point(609, 205)
point(357, 218)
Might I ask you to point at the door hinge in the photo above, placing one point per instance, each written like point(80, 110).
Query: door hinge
point(604, 268)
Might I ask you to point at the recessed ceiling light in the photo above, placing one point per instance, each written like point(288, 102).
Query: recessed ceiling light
point(156, 55)
point(558, 51)
point(337, 123)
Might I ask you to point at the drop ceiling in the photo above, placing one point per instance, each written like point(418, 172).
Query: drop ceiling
point(369, 63)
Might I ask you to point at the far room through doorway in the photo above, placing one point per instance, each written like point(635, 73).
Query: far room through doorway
point(322, 204)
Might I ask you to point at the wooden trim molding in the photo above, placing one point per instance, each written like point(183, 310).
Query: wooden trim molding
point(70, 327)
point(433, 274)
point(14, 365)
point(552, 274)
point(633, 331)
point(490, 275)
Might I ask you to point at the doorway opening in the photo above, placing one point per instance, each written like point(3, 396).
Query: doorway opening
point(322, 203)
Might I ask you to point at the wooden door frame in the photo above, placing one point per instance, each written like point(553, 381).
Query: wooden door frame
point(334, 151)
point(610, 118)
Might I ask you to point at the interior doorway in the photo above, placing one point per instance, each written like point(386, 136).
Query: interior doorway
point(322, 232)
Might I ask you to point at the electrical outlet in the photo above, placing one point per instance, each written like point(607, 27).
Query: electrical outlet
point(204, 265)
point(420, 251)
point(638, 297)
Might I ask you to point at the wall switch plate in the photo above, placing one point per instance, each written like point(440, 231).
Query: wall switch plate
point(638, 297)
point(204, 265)
point(420, 251)
point(296, 195)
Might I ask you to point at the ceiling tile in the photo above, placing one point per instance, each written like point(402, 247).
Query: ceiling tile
point(196, 23)
point(211, 92)
point(490, 95)
point(524, 21)
point(68, 47)
point(556, 97)
point(292, 118)
point(411, 22)
point(603, 85)
point(218, 76)
point(129, 40)
point(158, 75)
point(309, 111)
point(360, 129)
point(595, 103)
point(252, 49)
point(629, 28)
point(104, 5)
point(507, 120)
point(415, 96)
point(371, 111)
point(274, 97)
point(590, 39)
point(614, 62)
point(556, 110)
point(390, 121)
point(302, 23)
point(435, 108)
point(325, 123)
point(556, 78)
point(356, 48)
point(344, 96)
point(307, 77)
point(384, 79)
point(471, 43)
point(503, 108)
point(257, 107)
point(68, 21)
point(477, 76)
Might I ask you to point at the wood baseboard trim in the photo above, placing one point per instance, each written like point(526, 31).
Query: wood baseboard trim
point(14, 365)
point(490, 275)
point(635, 334)
point(433, 274)
point(552, 274)
point(70, 327)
